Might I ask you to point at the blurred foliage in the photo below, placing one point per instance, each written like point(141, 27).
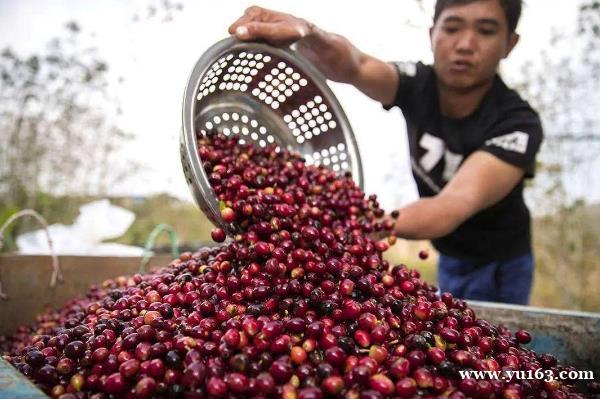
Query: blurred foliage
point(189, 222)
point(563, 85)
point(58, 123)
point(161, 10)
point(567, 250)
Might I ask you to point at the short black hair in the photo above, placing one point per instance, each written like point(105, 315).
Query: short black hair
point(512, 10)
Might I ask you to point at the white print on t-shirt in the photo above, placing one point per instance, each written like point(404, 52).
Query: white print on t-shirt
point(516, 142)
point(407, 68)
point(453, 161)
point(436, 149)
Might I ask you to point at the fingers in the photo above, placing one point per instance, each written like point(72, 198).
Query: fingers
point(279, 33)
point(241, 21)
point(251, 14)
point(254, 13)
point(274, 27)
point(254, 10)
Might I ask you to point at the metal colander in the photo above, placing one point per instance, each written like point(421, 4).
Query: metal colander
point(262, 94)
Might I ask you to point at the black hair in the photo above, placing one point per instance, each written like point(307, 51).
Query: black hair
point(512, 10)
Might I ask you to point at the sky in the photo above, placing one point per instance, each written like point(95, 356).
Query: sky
point(155, 58)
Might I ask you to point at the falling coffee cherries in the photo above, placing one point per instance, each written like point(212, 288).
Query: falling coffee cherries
point(298, 304)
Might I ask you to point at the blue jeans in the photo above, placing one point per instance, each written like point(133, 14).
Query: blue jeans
point(508, 281)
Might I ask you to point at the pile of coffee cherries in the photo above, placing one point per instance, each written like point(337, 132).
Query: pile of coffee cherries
point(298, 304)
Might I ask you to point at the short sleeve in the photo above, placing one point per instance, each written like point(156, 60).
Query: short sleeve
point(516, 138)
point(413, 79)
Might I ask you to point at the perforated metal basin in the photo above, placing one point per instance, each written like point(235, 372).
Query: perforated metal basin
point(264, 95)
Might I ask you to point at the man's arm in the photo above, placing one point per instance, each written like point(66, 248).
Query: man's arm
point(334, 55)
point(480, 182)
point(377, 79)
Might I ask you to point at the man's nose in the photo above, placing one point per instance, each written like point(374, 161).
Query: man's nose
point(467, 42)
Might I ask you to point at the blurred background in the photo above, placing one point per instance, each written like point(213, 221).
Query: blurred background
point(90, 108)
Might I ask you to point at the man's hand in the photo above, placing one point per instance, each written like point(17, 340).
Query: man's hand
point(388, 223)
point(337, 58)
point(275, 27)
point(332, 54)
point(482, 181)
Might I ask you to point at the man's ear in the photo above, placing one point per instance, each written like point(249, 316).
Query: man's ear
point(513, 39)
point(431, 37)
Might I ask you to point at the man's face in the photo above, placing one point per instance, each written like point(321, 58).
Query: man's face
point(468, 42)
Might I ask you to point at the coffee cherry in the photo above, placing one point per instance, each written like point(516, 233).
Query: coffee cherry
point(74, 349)
point(523, 336)
point(406, 387)
point(228, 215)
point(217, 234)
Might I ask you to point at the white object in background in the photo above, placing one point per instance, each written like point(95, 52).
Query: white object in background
point(100, 220)
point(97, 221)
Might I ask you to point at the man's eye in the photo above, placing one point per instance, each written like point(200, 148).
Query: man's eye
point(450, 29)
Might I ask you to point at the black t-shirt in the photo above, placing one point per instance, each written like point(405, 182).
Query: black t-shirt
point(503, 125)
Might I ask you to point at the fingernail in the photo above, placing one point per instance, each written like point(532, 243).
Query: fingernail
point(301, 31)
point(241, 31)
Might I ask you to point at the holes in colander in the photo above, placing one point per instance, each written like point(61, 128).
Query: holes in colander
point(242, 69)
point(310, 120)
point(240, 125)
point(334, 157)
point(209, 81)
point(278, 85)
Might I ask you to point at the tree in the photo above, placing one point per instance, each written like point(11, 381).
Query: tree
point(59, 130)
point(563, 85)
point(58, 124)
point(163, 10)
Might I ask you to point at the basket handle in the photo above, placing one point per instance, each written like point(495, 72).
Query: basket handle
point(150, 244)
point(56, 272)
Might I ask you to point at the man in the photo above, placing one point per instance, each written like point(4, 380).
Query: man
point(472, 140)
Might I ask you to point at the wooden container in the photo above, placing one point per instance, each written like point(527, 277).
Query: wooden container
point(26, 282)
